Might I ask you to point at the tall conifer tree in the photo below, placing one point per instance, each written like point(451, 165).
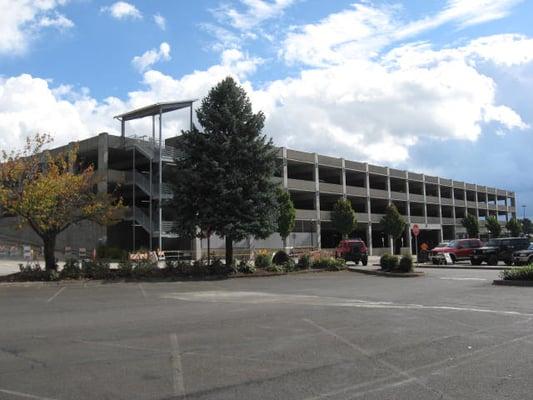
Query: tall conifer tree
point(223, 181)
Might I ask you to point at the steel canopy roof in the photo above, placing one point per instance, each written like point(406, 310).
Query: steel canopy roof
point(155, 109)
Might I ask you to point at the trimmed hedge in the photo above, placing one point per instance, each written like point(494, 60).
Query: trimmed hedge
point(518, 274)
point(329, 263)
point(406, 263)
point(388, 262)
point(263, 260)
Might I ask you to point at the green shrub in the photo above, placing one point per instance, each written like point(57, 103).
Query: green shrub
point(96, 270)
point(71, 270)
point(384, 261)
point(145, 269)
point(246, 267)
point(280, 258)
point(32, 272)
point(125, 269)
point(388, 262)
point(518, 274)
point(263, 260)
point(305, 262)
point(276, 268)
point(406, 263)
point(289, 266)
point(329, 263)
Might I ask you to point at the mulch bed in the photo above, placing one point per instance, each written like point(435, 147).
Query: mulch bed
point(378, 272)
point(502, 282)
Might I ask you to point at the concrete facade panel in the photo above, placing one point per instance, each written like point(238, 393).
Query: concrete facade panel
point(355, 166)
point(356, 191)
point(329, 161)
point(300, 184)
point(330, 188)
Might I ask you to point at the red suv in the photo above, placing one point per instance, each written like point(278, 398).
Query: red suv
point(352, 250)
point(460, 249)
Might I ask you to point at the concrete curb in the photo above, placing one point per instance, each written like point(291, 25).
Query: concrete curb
point(95, 282)
point(501, 282)
point(387, 274)
point(463, 267)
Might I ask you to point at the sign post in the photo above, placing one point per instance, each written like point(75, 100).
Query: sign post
point(416, 232)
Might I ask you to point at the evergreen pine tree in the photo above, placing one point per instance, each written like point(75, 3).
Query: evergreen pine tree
point(223, 180)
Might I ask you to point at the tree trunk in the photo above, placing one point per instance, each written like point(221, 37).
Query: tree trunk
point(284, 243)
point(49, 252)
point(229, 250)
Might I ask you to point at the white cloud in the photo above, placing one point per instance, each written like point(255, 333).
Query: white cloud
point(21, 21)
point(30, 104)
point(151, 57)
point(122, 10)
point(364, 30)
point(256, 11)
point(58, 21)
point(160, 21)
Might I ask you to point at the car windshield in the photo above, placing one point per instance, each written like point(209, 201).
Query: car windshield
point(443, 244)
point(453, 243)
point(530, 246)
point(493, 242)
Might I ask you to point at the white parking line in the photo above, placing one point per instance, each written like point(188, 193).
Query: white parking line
point(464, 279)
point(177, 370)
point(142, 290)
point(408, 377)
point(56, 294)
point(24, 395)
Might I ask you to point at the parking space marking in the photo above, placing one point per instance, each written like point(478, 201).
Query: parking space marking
point(142, 290)
point(277, 298)
point(177, 369)
point(397, 370)
point(24, 395)
point(56, 294)
point(463, 279)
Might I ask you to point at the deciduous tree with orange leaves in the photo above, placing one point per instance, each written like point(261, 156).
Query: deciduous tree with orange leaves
point(51, 191)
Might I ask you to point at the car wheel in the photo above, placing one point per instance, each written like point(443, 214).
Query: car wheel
point(508, 262)
point(364, 261)
point(453, 258)
point(493, 260)
point(475, 262)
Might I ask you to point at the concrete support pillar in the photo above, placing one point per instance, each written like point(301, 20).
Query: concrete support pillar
point(103, 162)
point(369, 244)
point(343, 178)
point(425, 199)
point(285, 172)
point(391, 240)
point(440, 210)
point(409, 239)
point(477, 204)
point(317, 202)
point(102, 173)
point(368, 210)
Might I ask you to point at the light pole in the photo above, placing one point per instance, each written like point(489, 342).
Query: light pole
point(524, 209)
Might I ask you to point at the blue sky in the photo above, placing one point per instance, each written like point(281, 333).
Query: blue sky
point(442, 87)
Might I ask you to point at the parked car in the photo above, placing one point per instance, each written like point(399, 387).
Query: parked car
point(460, 249)
point(501, 249)
point(352, 250)
point(523, 257)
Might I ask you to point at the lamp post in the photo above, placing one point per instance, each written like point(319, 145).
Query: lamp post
point(524, 211)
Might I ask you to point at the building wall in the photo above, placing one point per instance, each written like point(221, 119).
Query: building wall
point(315, 183)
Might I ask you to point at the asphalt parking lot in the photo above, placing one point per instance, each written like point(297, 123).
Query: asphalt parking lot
point(449, 335)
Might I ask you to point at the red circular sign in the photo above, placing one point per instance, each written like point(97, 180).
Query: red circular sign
point(416, 230)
